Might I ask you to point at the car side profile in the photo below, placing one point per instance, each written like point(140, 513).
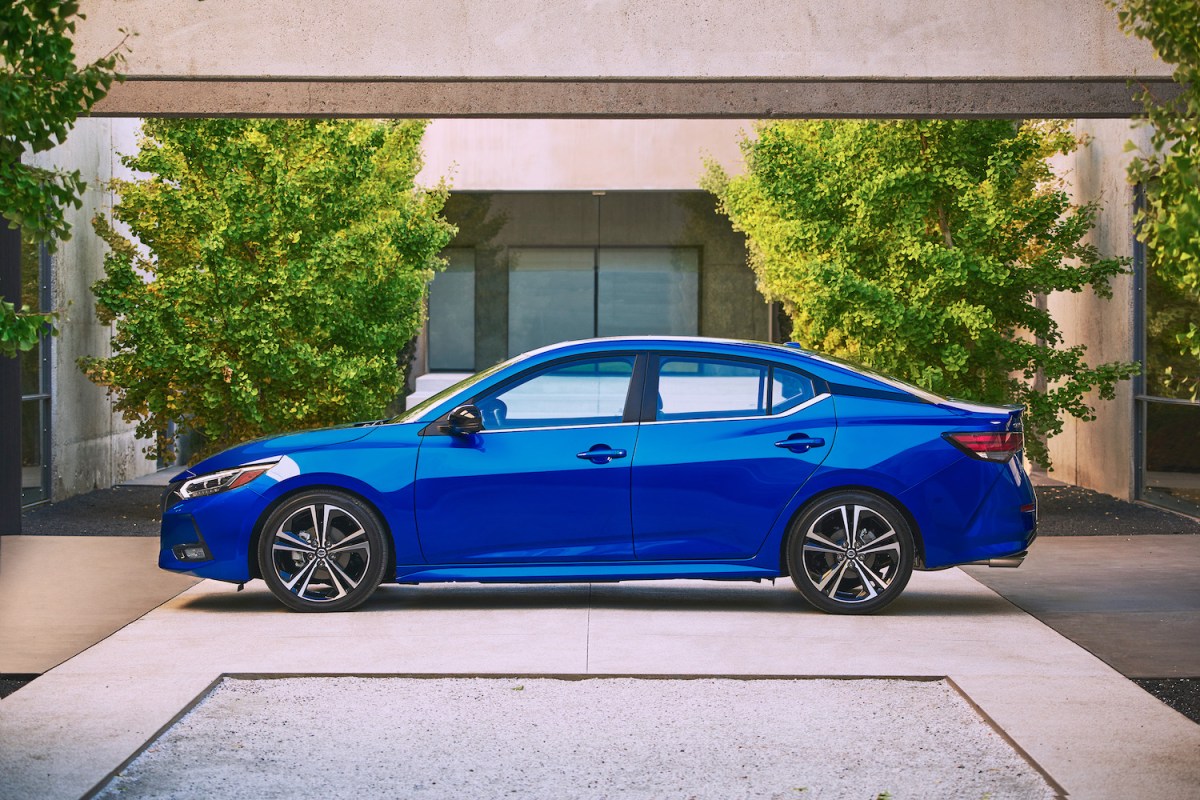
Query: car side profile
point(620, 459)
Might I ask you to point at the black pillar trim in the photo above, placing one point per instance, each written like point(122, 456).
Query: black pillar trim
point(10, 389)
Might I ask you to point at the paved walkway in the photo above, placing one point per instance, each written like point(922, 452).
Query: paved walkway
point(1094, 732)
point(1134, 601)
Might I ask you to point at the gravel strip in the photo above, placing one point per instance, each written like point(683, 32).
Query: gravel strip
point(597, 738)
point(121, 511)
point(1075, 511)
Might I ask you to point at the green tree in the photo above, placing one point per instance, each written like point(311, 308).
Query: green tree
point(919, 248)
point(41, 94)
point(281, 269)
point(1169, 223)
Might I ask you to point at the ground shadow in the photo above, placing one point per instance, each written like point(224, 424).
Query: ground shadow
point(649, 597)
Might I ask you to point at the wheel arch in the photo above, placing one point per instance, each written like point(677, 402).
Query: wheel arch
point(918, 540)
point(256, 534)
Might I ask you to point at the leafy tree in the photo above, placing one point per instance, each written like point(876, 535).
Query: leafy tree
point(41, 94)
point(1169, 224)
point(919, 248)
point(281, 269)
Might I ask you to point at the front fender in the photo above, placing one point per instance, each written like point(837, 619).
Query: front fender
point(381, 476)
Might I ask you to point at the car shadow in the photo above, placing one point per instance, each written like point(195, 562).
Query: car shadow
point(649, 597)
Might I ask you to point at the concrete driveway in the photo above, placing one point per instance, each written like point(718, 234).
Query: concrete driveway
point(1092, 731)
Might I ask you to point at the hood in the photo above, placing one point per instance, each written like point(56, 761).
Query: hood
point(281, 444)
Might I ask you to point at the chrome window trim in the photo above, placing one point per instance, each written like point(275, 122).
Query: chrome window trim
point(560, 427)
point(806, 404)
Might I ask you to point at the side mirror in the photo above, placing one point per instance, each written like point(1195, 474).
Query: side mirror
point(465, 419)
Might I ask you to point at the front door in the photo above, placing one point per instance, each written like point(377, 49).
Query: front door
point(547, 480)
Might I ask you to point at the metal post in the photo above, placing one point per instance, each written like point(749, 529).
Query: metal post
point(10, 389)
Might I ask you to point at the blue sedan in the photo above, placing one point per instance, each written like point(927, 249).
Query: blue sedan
point(621, 459)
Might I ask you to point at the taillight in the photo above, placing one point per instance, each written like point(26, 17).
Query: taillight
point(987, 445)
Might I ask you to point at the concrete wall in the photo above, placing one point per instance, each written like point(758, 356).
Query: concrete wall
point(749, 58)
point(491, 155)
point(1099, 454)
point(91, 446)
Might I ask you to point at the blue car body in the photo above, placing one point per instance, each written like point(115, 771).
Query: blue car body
point(692, 497)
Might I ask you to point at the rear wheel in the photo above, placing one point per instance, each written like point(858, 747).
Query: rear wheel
point(322, 551)
point(850, 553)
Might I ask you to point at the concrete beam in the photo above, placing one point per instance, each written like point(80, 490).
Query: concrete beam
point(632, 98)
point(619, 58)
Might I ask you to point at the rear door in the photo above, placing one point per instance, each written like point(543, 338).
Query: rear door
point(730, 443)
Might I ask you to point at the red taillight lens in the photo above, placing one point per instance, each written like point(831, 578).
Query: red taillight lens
point(987, 445)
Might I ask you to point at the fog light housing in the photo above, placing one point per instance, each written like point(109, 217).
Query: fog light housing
point(195, 551)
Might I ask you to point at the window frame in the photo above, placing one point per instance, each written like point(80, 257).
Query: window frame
point(630, 413)
point(649, 403)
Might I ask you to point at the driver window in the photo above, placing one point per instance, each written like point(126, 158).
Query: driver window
point(582, 392)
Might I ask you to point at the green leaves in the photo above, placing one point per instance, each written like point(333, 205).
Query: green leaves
point(918, 248)
point(287, 266)
point(41, 94)
point(1169, 221)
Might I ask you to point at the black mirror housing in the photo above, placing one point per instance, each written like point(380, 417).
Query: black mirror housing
point(464, 420)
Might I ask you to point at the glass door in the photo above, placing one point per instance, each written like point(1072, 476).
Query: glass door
point(1168, 398)
point(35, 380)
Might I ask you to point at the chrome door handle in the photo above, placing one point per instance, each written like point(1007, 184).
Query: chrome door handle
point(601, 454)
point(800, 443)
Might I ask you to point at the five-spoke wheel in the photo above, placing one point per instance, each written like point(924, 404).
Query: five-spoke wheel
point(850, 553)
point(322, 551)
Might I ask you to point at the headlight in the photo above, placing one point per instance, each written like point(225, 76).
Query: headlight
point(215, 482)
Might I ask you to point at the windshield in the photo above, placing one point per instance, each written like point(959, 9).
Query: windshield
point(416, 412)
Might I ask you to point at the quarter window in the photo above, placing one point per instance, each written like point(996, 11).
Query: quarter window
point(789, 389)
point(584, 392)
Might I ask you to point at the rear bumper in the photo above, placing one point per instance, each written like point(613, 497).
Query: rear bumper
point(1000, 524)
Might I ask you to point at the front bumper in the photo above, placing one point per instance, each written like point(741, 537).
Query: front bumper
point(221, 524)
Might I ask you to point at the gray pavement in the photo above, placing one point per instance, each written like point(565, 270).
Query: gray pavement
point(1134, 601)
point(59, 595)
point(1113, 603)
point(1093, 731)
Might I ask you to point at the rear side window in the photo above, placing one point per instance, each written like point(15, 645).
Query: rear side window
point(712, 388)
point(707, 388)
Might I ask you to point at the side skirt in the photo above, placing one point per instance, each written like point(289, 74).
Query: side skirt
point(571, 573)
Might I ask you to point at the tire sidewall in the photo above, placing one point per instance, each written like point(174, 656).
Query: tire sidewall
point(365, 516)
point(814, 511)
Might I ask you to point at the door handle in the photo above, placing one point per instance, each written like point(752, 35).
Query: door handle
point(801, 442)
point(601, 454)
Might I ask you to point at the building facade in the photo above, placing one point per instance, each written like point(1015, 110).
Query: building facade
point(578, 228)
point(72, 440)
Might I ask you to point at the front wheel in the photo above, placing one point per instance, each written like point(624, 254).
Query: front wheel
point(322, 551)
point(850, 553)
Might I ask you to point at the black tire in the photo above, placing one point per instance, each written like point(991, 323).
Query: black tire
point(322, 551)
point(856, 577)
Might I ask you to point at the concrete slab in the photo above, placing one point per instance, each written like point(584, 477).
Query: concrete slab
point(1134, 601)
point(1094, 732)
point(59, 595)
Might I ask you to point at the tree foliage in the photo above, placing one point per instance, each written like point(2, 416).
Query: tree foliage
point(284, 268)
point(41, 94)
point(919, 248)
point(1169, 223)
